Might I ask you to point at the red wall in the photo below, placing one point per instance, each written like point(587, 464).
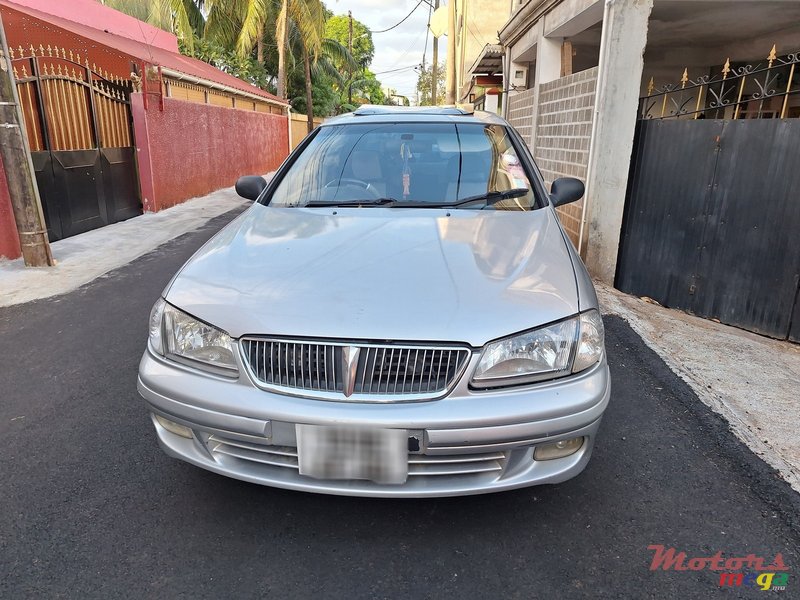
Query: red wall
point(9, 242)
point(191, 149)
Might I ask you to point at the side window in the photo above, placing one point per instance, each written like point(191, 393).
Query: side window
point(507, 171)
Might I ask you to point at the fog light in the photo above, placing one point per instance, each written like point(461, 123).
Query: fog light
point(174, 427)
point(558, 449)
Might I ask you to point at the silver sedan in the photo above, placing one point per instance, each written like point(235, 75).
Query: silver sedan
point(399, 313)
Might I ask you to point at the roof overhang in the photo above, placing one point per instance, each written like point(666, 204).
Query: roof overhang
point(489, 61)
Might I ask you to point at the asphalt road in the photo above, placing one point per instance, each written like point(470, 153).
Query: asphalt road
point(91, 508)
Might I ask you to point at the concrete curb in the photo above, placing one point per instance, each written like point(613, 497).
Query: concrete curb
point(750, 380)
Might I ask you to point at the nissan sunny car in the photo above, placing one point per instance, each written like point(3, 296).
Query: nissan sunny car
point(399, 313)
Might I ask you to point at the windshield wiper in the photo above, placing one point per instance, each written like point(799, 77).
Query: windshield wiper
point(487, 199)
point(352, 203)
point(385, 202)
point(492, 197)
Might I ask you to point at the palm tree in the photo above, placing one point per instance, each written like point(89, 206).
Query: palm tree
point(323, 64)
point(307, 16)
point(184, 18)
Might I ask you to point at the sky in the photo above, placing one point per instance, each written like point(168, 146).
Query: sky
point(400, 48)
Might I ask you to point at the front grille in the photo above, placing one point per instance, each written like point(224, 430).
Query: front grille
point(379, 373)
point(419, 465)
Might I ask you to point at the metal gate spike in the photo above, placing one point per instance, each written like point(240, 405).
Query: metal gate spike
point(773, 54)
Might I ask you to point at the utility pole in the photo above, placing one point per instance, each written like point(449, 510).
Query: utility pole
point(451, 52)
point(14, 150)
point(435, 66)
point(350, 50)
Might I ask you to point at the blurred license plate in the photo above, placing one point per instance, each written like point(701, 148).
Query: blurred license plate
point(379, 455)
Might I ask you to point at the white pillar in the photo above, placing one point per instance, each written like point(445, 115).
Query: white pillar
point(619, 76)
point(490, 103)
point(548, 58)
point(548, 68)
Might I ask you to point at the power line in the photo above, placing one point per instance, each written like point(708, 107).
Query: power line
point(398, 69)
point(401, 21)
point(427, 34)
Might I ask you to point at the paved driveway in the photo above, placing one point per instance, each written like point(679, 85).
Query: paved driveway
point(92, 508)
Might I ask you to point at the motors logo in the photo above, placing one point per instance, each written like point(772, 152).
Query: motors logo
point(750, 570)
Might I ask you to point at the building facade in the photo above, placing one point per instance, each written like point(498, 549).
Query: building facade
point(677, 115)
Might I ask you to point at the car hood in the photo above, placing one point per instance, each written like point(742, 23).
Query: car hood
point(381, 274)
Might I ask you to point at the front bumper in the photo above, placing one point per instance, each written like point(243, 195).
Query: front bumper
point(469, 442)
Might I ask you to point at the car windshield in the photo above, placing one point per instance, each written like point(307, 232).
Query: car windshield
point(408, 164)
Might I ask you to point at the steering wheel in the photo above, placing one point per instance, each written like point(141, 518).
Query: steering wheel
point(367, 187)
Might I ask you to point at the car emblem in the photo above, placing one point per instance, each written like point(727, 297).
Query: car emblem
point(349, 368)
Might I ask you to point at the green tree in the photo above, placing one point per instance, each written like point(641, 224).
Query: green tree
point(184, 18)
point(338, 28)
point(424, 86)
point(246, 68)
point(312, 66)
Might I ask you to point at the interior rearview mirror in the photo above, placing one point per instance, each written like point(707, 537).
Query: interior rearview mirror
point(250, 186)
point(566, 190)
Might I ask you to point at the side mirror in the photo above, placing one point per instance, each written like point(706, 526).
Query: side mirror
point(250, 186)
point(566, 190)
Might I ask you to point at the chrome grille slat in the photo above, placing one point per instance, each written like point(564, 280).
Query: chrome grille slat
point(427, 459)
point(390, 372)
point(419, 465)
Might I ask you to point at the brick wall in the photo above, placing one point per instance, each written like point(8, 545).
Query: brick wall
point(563, 132)
point(520, 113)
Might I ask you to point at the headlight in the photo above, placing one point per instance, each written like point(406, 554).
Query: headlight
point(156, 337)
point(178, 336)
point(553, 351)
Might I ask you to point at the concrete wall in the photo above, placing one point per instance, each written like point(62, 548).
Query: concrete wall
point(9, 241)
point(480, 21)
point(189, 149)
point(563, 133)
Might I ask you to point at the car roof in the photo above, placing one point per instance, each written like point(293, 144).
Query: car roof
point(368, 113)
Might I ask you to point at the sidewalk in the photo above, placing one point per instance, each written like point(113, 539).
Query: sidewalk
point(82, 258)
point(752, 381)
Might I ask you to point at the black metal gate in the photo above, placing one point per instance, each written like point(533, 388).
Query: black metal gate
point(79, 126)
point(713, 213)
